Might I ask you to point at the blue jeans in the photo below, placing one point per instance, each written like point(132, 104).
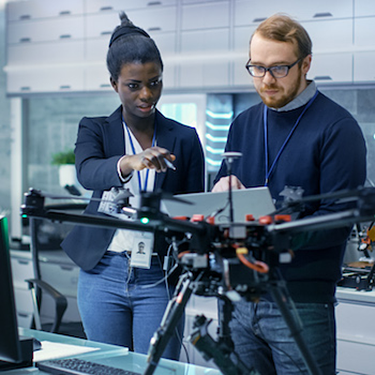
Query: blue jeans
point(119, 305)
point(263, 340)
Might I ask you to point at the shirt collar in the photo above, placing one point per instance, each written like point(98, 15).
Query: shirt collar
point(301, 99)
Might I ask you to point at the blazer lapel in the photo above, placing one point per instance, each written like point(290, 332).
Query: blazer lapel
point(114, 143)
point(165, 138)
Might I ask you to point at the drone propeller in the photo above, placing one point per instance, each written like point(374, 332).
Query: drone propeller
point(295, 202)
point(341, 194)
point(170, 197)
point(67, 197)
point(122, 195)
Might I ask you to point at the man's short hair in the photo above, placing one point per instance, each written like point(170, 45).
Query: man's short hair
point(282, 28)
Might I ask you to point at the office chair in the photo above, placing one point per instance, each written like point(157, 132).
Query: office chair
point(61, 303)
point(38, 286)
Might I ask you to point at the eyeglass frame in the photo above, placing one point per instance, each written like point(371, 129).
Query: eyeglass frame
point(247, 66)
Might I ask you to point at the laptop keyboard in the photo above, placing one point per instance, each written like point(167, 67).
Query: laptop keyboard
point(80, 367)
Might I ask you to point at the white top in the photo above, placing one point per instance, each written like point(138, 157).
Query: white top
point(123, 238)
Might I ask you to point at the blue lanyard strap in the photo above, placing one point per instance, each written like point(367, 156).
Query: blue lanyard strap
point(133, 149)
point(268, 171)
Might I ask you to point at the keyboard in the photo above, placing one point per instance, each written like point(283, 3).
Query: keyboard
point(79, 367)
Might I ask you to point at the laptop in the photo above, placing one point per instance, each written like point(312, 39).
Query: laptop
point(255, 201)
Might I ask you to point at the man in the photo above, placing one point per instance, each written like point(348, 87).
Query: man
point(297, 138)
point(141, 248)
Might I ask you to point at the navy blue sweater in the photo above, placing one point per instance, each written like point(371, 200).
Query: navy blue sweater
point(326, 153)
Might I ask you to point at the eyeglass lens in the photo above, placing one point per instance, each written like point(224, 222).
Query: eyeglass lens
point(276, 71)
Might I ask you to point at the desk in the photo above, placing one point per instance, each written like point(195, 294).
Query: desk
point(114, 356)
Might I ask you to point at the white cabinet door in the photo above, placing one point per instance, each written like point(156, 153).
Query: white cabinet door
point(205, 15)
point(203, 43)
point(364, 33)
point(240, 75)
point(242, 37)
point(204, 58)
point(247, 12)
point(325, 35)
point(97, 78)
point(199, 1)
point(153, 20)
point(24, 301)
point(169, 75)
point(41, 54)
point(24, 307)
point(363, 67)
point(166, 43)
point(356, 337)
point(36, 9)
point(49, 79)
point(96, 50)
point(94, 6)
point(331, 68)
point(364, 8)
point(196, 74)
point(97, 47)
point(46, 30)
point(22, 269)
point(330, 36)
point(354, 357)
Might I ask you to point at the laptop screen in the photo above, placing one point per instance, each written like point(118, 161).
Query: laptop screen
point(255, 201)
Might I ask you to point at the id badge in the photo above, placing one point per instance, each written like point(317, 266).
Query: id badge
point(142, 249)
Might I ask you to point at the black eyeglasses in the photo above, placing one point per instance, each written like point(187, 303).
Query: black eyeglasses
point(277, 71)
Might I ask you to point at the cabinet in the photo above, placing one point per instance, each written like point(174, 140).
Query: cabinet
point(364, 8)
point(364, 29)
point(94, 6)
point(204, 58)
point(58, 271)
point(331, 68)
point(355, 331)
point(204, 44)
point(49, 79)
point(205, 15)
point(62, 48)
point(38, 9)
point(363, 63)
point(22, 269)
point(248, 12)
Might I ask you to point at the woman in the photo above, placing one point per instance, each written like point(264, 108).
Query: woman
point(119, 297)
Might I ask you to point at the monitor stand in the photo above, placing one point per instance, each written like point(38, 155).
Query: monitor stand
point(26, 344)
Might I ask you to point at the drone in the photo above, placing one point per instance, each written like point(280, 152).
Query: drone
point(228, 261)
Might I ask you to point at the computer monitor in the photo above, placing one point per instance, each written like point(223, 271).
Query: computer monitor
point(15, 351)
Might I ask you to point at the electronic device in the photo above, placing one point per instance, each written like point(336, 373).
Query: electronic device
point(254, 201)
point(80, 367)
point(221, 262)
point(15, 351)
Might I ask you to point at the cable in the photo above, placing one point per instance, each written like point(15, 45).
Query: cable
point(257, 266)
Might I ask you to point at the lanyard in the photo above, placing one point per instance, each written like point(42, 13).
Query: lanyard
point(265, 127)
point(133, 149)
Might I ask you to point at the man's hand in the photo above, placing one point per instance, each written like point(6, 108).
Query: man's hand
point(223, 184)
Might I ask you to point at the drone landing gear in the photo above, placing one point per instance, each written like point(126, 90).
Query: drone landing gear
point(221, 351)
